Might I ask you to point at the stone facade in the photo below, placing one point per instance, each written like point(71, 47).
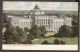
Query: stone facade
point(38, 17)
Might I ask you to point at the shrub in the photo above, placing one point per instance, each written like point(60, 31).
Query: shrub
point(46, 42)
point(27, 42)
point(56, 41)
point(62, 42)
point(30, 36)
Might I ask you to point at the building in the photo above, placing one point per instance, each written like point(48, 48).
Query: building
point(37, 17)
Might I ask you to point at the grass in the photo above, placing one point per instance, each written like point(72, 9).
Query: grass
point(68, 41)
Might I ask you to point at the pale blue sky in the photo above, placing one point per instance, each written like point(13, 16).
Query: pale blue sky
point(19, 5)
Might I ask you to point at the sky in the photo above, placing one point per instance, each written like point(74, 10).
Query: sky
point(19, 5)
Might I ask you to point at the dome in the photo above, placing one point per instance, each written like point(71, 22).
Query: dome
point(36, 8)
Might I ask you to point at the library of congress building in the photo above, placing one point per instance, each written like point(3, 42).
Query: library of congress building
point(37, 17)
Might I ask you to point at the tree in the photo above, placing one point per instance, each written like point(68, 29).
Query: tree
point(17, 27)
point(75, 30)
point(26, 29)
point(42, 35)
point(65, 31)
point(35, 31)
point(43, 31)
point(7, 35)
point(3, 39)
point(18, 38)
point(5, 17)
point(14, 35)
point(20, 31)
point(7, 32)
point(75, 21)
point(30, 36)
point(14, 31)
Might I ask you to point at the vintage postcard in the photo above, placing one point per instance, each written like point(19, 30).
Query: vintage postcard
point(40, 25)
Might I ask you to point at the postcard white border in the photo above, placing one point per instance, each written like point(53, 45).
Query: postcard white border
point(38, 47)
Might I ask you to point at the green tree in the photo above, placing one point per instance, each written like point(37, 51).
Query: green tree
point(26, 29)
point(17, 35)
point(14, 31)
point(30, 36)
point(75, 29)
point(18, 38)
point(65, 31)
point(17, 27)
point(43, 29)
point(20, 31)
point(75, 21)
point(42, 35)
point(5, 17)
point(7, 35)
point(35, 31)
point(3, 39)
point(8, 32)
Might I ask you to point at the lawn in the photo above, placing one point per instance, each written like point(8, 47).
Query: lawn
point(68, 41)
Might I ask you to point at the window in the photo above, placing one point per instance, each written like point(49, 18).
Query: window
point(46, 25)
point(46, 21)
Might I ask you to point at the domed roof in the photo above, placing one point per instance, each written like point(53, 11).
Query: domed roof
point(36, 8)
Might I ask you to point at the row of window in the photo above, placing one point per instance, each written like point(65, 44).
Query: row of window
point(50, 26)
point(55, 24)
point(15, 22)
point(44, 23)
point(49, 21)
point(43, 17)
point(25, 22)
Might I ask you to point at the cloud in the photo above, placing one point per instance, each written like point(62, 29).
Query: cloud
point(43, 5)
point(22, 3)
